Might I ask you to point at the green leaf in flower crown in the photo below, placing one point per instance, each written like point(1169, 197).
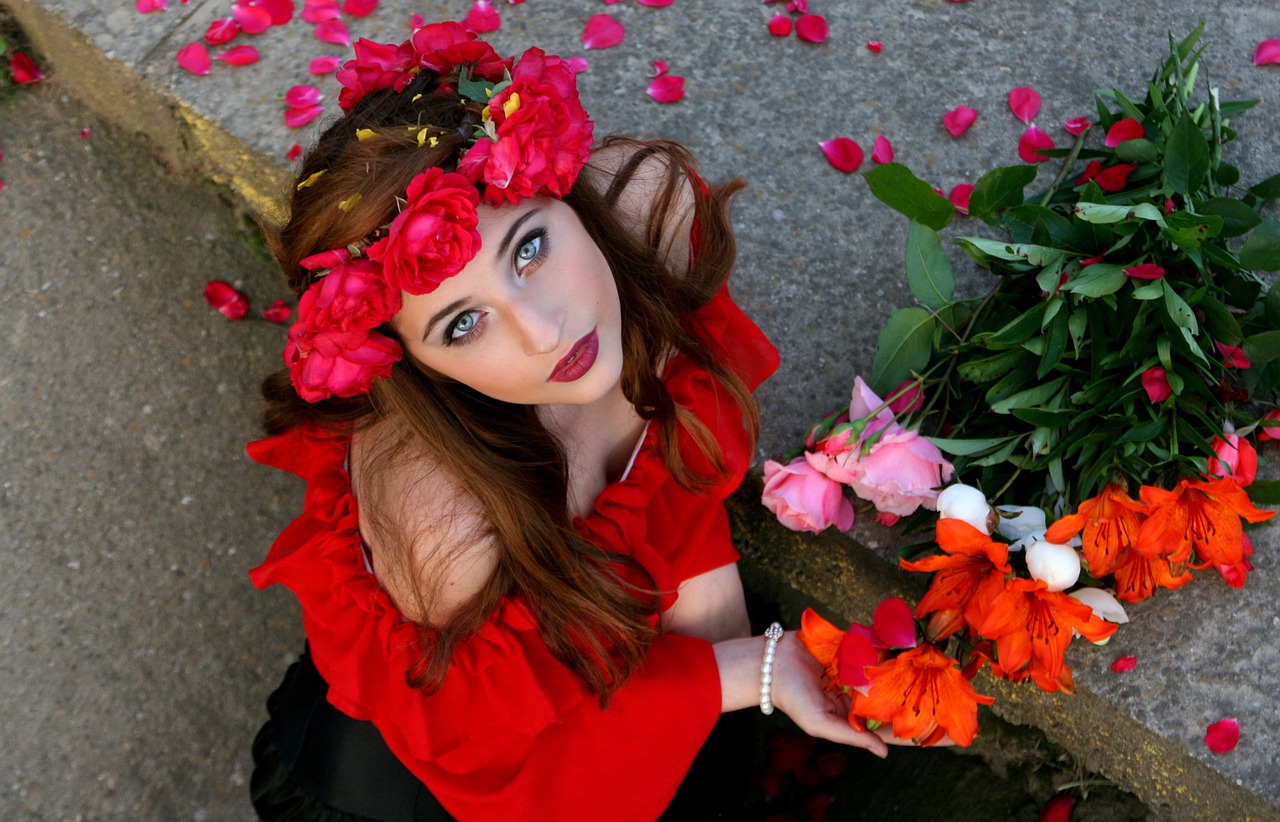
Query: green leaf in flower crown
point(1105, 214)
point(894, 185)
point(1262, 250)
point(905, 345)
point(1237, 218)
point(1137, 151)
point(928, 272)
point(1097, 280)
point(1186, 157)
point(1263, 347)
point(1178, 310)
point(998, 189)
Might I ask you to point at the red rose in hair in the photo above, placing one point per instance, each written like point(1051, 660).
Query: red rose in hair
point(433, 236)
point(445, 46)
point(377, 66)
point(543, 134)
point(352, 297)
point(324, 363)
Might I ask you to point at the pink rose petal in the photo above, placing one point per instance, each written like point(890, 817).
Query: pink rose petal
point(1, 185)
point(299, 117)
point(1024, 102)
point(602, 31)
point(1032, 142)
point(482, 17)
point(1222, 736)
point(843, 154)
point(278, 312)
point(1059, 807)
point(875, 46)
point(1268, 51)
point(1155, 381)
point(780, 25)
point(324, 65)
point(148, 6)
point(959, 197)
point(239, 56)
point(23, 70)
point(221, 31)
point(294, 152)
point(655, 3)
point(660, 67)
point(798, 6)
point(1077, 125)
point(194, 57)
point(1126, 129)
point(280, 11)
point(85, 132)
point(224, 297)
point(893, 626)
point(958, 120)
point(252, 20)
point(667, 89)
point(321, 11)
point(333, 31)
point(812, 28)
point(1124, 664)
point(302, 96)
point(359, 8)
point(577, 64)
point(1233, 356)
point(1145, 271)
point(882, 150)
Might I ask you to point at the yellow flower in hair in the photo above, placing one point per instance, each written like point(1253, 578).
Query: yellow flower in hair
point(349, 203)
point(311, 180)
point(512, 105)
point(363, 134)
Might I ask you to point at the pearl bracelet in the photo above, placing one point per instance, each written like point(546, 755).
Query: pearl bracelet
point(771, 638)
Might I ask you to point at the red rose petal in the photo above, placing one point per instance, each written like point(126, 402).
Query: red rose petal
point(299, 117)
point(221, 31)
point(302, 96)
point(85, 132)
point(1222, 736)
point(278, 312)
point(667, 89)
point(239, 56)
point(812, 28)
point(280, 11)
point(958, 120)
point(224, 297)
point(360, 8)
point(22, 70)
point(577, 64)
point(798, 6)
point(1, 185)
point(882, 150)
point(194, 57)
point(1024, 102)
point(660, 67)
point(655, 3)
point(854, 654)
point(321, 11)
point(1126, 129)
point(780, 25)
point(959, 197)
point(1155, 381)
point(324, 65)
point(887, 520)
point(482, 17)
point(1233, 356)
point(1059, 807)
point(892, 625)
point(1124, 664)
point(294, 152)
point(1268, 51)
point(252, 20)
point(1113, 178)
point(1077, 125)
point(333, 31)
point(1031, 143)
point(148, 6)
point(1145, 271)
point(875, 46)
point(417, 21)
point(602, 32)
point(843, 154)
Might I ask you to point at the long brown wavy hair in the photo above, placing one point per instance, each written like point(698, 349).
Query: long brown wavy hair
point(596, 610)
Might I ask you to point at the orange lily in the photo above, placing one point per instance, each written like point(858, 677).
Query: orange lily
point(1110, 522)
point(822, 640)
point(1201, 516)
point(924, 695)
point(1032, 628)
point(1138, 575)
point(969, 575)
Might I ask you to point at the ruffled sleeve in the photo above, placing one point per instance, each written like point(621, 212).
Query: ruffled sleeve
point(512, 733)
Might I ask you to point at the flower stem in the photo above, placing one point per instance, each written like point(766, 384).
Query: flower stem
point(1067, 163)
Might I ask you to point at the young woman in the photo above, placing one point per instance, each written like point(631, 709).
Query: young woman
point(518, 391)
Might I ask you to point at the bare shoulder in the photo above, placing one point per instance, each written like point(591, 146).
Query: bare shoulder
point(427, 537)
point(647, 175)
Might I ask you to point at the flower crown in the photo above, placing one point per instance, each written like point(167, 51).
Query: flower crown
point(534, 138)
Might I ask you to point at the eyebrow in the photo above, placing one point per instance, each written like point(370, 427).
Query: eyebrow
point(440, 315)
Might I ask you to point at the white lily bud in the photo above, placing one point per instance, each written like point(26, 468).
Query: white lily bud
point(1018, 521)
point(1104, 605)
point(1058, 566)
point(964, 502)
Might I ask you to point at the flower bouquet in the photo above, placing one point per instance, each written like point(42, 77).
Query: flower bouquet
point(1109, 379)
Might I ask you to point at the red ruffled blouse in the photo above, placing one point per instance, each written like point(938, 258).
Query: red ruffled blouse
point(512, 733)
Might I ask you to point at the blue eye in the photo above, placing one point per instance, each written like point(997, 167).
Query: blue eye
point(531, 250)
point(461, 326)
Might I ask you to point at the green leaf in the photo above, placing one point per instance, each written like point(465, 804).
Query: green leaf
point(1030, 397)
point(1186, 157)
point(1178, 310)
point(1268, 189)
point(1102, 213)
point(991, 368)
point(1150, 291)
point(1218, 319)
point(894, 185)
point(1271, 307)
point(1263, 492)
point(928, 272)
point(1139, 150)
point(1076, 325)
point(1262, 249)
point(1237, 218)
point(905, 345)
point(1037, 255)
point(1097, 280)
point(1143, 432)
point(1189, 231)
point(1055, 346)
point(967, 448)
point(998, 189)
point(1043, 418)
point(1021, 328)
point(1263, 347)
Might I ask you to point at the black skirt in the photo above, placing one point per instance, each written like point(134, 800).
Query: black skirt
point(313, 763)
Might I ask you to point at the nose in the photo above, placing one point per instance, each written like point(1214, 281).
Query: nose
point(538, 326)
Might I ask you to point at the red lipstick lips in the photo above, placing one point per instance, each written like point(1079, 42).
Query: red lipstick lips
point(578, 361)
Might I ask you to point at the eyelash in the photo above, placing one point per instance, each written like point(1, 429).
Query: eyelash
point(544, 246)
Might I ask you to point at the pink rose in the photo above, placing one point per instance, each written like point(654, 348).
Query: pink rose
point(351, 297)
point(831, 456)
point(803, 499)
point(324, 363)
point(1235, 457)
point(901, 472)
point(433, 236)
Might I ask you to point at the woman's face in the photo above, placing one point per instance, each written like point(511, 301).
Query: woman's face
point(532, 319)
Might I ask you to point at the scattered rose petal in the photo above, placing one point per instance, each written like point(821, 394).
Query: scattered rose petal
point(280, 11)
point(1145, 271)
point(1032, 142)
point(655, 3)
point(798, 6)
point(84, 134)
point(958, 120)
point(888, 520)
point(299, 117)
point(1222, 736)
point(417, 21)
point(333, 31)
point(578, 64)
point(892, 625)
point(1059, 806)
point(611, 2)
point(22, 70)
point(324, 65)
point(660, 67)
point(1024, 102)
point(239, 56)
point(959, 197)
point(1077, 125)
point(194, 57)
point(223, 296)
point(1232, 355)
point(1155, 381)
point(812, 28)
point(1126, 129)
point(1124, 664)
point(1, 185)
point(252, 20)
point(302, 96)
point(321, 11)
point(667, 89)
point(882, 150)
point(278, 312)
point(294, 152)
point(221, 31)
point(602, 31)
point(1268, 51)
point(148, 6)
point(482, 17)
point(875, 46)
point(780, 25)
point(359, 8)
point(843, 154)
point(1110, 179)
